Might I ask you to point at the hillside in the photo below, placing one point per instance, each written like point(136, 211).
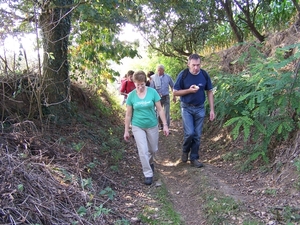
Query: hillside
point(82, 172)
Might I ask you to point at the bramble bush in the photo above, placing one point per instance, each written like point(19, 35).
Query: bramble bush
point(262, 102)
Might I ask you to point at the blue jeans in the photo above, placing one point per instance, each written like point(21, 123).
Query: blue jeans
point(192, 118)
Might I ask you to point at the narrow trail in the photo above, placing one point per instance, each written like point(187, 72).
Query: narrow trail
point(182, 185)
point(188, 186)
point(182, 181)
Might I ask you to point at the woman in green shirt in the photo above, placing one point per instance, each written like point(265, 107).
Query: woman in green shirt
point(140, 113)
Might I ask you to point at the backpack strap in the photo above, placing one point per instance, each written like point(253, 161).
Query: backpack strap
point(205, 74)
point(185, 73)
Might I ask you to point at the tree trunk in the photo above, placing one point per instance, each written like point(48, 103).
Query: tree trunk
point(228, 10)
point(55, 22)
point(251, 24)
point(295, 2)
point(255, 32)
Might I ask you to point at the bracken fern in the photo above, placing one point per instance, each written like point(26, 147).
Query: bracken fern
point(263, 99)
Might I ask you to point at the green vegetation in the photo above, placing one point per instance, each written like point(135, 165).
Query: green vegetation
point(256, 99)
point(186, 26)
point(297, 164)
point(89, 34)
point(261, 103)
point(219, 208)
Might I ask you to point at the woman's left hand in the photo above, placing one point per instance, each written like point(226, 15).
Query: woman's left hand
point(166, 130)
point(126, 136)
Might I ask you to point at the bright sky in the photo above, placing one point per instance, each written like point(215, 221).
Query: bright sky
point(130, 34)
point(12, 46)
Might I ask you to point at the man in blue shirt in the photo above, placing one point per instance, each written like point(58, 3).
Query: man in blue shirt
point(191, 85)
point(161, 83)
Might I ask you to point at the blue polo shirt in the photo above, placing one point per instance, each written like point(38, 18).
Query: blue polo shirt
point(204, 84)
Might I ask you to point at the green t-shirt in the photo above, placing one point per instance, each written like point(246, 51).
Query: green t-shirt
point(143, 110)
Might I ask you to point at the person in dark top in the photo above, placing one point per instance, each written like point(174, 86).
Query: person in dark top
point(149, 74)
point(191, 85)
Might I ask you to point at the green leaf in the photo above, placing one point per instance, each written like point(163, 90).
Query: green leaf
point(272, 127)
point(259, 96)
point(81, 211)
point(242, 98)
point(101, 211)
point(279, 130)
point(109, 192)
point(231, 121)
point(260, 127)
point(236, 129)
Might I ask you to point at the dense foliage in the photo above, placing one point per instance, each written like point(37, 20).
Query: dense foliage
point(262, 102)
point(179, 28)
point(256, 97)
point(80, 40)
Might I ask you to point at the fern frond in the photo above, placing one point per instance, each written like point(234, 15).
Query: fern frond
point(288, 126)
point(236, 130)
point(247, 123)
point(272, 127)
point(265, 157)
point(242, 98)
point(263, 108)
point(260, 96)
point(259, 127)
point(255, 155)
point(247, 120)
point(246, 132)
point(280, 100)
point(283, 63)
point(231, 121)
point(251, 103)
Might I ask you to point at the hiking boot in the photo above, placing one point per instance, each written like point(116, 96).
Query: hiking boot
point(152, 167)
point(196, 163)
point(184, 157)
point(148, 180)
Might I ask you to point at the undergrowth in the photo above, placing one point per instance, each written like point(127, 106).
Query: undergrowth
point(262, 102)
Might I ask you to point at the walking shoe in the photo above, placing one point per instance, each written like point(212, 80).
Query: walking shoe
point(196, 163)
point(184, 157)
point(152, 167)
point(148, 180)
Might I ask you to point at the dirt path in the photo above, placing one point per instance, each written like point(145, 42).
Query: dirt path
point(261, 196)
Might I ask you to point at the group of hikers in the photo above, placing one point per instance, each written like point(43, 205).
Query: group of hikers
point(147, 99)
